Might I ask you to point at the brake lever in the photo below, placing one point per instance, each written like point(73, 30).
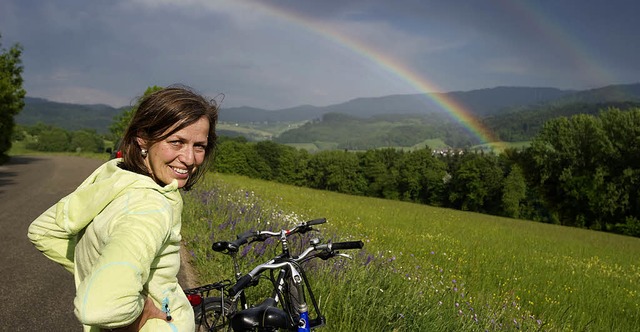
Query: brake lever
point(305, 229)
point(259, 238)
point(328, 254)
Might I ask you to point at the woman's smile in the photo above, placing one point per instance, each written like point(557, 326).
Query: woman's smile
point(179, 155)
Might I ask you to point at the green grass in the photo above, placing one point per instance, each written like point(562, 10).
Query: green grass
point(19, 149)
point(431, 268)
point(253, 132)
point(435, 143)
point(259, 131)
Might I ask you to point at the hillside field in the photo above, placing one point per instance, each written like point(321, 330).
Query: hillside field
point(257, 131)
point(426, 268)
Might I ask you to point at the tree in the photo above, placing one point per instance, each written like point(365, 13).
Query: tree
point(233, 156)
point(421, 177)
point(476, 185)
point(514, 191)
point(380, 171)
point(121, 121)
point(11, 93)
point(86, 141)
point(336, 171)
point(279, 158)
point(589, 169)
point(53, 140)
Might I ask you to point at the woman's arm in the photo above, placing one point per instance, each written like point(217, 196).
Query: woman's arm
point(112, 294)
point(53, 240)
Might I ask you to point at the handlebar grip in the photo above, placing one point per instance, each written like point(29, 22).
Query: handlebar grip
point(243, 282)
point(237, 243)
point(316, 221)
point(347, 245)
point(246, 235)
point(242, 239)
point(220, 246)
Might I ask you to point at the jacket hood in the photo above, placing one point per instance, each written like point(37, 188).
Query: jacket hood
point(78, 209)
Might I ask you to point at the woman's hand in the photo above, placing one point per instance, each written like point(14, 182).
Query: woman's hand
point(149, 311)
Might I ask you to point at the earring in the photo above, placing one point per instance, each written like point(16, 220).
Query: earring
point(144, 153)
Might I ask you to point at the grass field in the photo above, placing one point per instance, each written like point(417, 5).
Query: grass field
point(435, 143)
point(430, 269)
point(18, 148)
point(259, 131)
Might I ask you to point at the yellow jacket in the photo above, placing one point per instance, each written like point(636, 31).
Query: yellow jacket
point(119, 234)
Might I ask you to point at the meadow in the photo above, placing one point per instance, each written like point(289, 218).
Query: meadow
point(425, 268)
point(18, 148)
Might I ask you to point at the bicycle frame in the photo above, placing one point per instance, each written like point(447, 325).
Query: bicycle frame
point(292, 271)
point(288, 287)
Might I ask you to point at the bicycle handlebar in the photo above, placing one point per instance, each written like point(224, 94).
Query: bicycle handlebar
point(347, 245)
point(234, 246)
point(241, 284)
point(316, 221)
point(330, 248)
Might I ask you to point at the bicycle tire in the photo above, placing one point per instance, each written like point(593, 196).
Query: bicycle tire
point(209, 316)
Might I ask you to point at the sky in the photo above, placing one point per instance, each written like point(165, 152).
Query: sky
point(275, 54)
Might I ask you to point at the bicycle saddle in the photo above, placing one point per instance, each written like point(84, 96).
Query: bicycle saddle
point(266, 314)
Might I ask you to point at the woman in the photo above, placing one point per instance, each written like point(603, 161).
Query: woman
point(119, 231)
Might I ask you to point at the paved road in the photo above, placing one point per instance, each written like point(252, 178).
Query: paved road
point(35, 293)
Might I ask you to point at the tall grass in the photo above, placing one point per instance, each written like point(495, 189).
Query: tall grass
point(426, 268)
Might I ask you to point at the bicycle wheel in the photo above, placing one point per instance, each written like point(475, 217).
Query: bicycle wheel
point(209, 315)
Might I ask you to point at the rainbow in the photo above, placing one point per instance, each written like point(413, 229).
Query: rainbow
point(389, 64)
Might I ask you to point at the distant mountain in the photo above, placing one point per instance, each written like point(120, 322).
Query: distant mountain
point(251, 114)
point(513, 114)
point(611, 93)
point(67, 116)
point(482, 103)
point(343, 131)
point(479, 102)
point(493, 101)
point(524, 123)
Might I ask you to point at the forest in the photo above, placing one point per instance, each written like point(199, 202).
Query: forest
point(49, 138)
point(579, 171)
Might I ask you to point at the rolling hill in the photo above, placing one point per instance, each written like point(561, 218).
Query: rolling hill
point(395, 120)
point(67, 116)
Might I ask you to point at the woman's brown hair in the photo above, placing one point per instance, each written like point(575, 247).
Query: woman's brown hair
point(161, 114)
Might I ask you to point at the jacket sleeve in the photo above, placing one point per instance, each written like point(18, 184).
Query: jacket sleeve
point(53, 240)
point(112, 294)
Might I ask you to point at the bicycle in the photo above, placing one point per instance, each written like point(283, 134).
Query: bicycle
point(220, 313)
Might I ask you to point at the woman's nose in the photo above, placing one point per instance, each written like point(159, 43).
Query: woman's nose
point(187, 156)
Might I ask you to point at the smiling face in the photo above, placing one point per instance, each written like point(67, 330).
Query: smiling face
point(177, 156)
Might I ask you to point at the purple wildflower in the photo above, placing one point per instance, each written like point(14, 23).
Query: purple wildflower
point(369, 259)
point(245, 251)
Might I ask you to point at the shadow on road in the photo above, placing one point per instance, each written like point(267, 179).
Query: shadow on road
point(6, 170)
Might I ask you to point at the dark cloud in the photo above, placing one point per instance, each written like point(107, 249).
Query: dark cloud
point(255, 53)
